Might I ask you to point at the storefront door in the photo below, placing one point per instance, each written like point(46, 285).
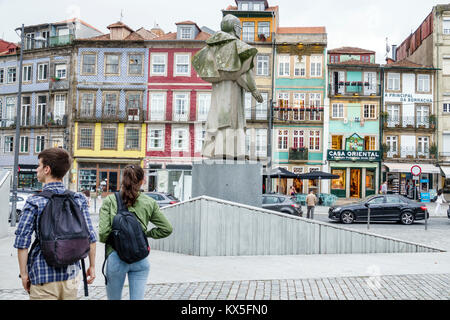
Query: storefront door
point(109, 180)
point(355, 183)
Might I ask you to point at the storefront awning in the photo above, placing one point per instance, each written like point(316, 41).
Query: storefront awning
point(446, 171)
point(406, 167)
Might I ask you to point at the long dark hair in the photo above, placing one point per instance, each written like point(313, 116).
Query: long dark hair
point(131, 184)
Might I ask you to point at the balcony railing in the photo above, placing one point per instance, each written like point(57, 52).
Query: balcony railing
point(130, 115)
point(409, 122)
point(297, 114)
point(300, 154)
point(354, 88)
point(409, 153)
point(61, 40)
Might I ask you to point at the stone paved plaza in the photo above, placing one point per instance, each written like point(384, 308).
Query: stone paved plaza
point(407, 287)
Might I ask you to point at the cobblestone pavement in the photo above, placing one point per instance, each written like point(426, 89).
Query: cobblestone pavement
point(407, 287)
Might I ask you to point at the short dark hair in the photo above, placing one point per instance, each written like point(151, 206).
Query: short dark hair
point(58, 160)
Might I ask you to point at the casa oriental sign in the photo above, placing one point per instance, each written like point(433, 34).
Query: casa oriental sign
point(345, 155)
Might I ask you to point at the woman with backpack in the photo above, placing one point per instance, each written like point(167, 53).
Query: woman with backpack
point(133, 208)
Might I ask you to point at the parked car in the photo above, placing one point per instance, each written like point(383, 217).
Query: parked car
point(21, 199)
point(382, 208)
point(163, 199)
point(281, 203)
point(448, 212)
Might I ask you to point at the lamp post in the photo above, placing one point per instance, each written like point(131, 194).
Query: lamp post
point(17, 135)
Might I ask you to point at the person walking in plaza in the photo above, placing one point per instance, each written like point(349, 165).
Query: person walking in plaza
point(293, 191)
point(39, 277)
point(439, 201)
point(384, 188)
point(311, 201)
point(146, 210)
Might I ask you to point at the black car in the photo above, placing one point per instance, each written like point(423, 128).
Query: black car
point(281, 203)
point(448, 212)
point(382, 208)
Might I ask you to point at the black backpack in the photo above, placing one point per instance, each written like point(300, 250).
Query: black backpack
point(127, 237)
point(63, 233)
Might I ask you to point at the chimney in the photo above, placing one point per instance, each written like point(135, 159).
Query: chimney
point(119, 31)
point(394, 52)
point(389, 60)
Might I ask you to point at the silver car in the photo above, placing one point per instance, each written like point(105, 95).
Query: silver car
point(21, 199)
point(163, 199)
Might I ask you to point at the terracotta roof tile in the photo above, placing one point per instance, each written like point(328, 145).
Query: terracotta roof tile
point(202, 36)
point(186, 22)
point(351, 50)
point(119, 24)
point(354, 63)
point(79, 20)
point(107, 37)
point(146, 34)
point(406, 64)
point(296, 30)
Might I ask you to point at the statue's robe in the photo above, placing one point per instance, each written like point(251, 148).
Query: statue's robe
point(223, 61)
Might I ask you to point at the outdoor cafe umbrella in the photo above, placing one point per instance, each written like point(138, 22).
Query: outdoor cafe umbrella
point(317, 175)
point(280, 173)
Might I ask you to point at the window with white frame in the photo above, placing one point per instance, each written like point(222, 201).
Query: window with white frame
point(248, 105)
point(8, 144)
point(135, 64)
point(12, 75)
point(86, 138)
point(200, 134)
point(423, 83)
point(40, 144)
point(446, 26)
point(423, 146)
point(315, 102)
point(132, 138)
point(156, 138)
point(337, 111)
point(25, 112)
point(284, 65)
point(261, 142)
point(422, 115)
point(182, 64)
point(180, 139)
point(298, 139)
point(186, 33)
point(109, 136)
point(89, 62)
point(371, 79)
point(204, 104)
point(41, 111)
point(159, 64)
point(27, 73)
point(87, 105)
point(248, 31)
point(133, 105)
point(262, 65)
point(181, 106)
point(261, 108)
point(24, 144)
point(157, 106)
point(299, 67)
point(59, 109)
point(244, 6)
point(314, 140)
point(42, 71)
point(370, 111)
point(446, 108)
point(393, 81)
point(112, 64)
point(393, 114)
point(283, 136)
point(264, 29)
point(298, 105)
point(10, 112)
point(61, 71)
point(392, 143)
point(316, 66)
point(283, 99)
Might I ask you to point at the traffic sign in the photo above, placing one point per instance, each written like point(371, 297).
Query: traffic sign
point(416, 170)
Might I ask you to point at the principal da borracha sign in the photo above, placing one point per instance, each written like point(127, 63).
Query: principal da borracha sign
point(345, 155)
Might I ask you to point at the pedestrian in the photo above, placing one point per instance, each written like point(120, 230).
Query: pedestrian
point(87, 193)
point(439, 201)
point(293, 191)
point(311, 201)
point(146, 210)
point(40, 279)
point(384, 188)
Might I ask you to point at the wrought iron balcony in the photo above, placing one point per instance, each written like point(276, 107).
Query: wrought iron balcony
point(354, 88)
point(409, 122)
point(130, 115)
point(298, 114)
point(298, 154)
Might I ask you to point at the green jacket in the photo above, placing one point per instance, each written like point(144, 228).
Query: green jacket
point(145, 208)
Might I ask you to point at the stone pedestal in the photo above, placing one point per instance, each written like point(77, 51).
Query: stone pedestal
point(235, 181)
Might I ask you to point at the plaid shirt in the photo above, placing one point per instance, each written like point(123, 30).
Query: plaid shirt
point(38, 269)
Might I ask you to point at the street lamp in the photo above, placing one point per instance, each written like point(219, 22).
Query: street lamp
point(17, 136)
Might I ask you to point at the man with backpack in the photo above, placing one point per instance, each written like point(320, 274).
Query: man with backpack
point(64, 235)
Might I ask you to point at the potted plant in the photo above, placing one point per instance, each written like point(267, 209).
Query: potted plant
point(433, 150)
point(432, 120)
point(385, 149)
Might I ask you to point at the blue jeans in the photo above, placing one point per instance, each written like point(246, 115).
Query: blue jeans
point(116, 271)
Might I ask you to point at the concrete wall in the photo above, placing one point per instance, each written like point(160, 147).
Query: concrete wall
point(210, 227)
point(5, 182)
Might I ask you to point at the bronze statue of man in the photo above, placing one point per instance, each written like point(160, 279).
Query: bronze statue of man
point(226, 62)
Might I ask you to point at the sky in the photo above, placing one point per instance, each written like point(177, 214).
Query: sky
point(365, 23)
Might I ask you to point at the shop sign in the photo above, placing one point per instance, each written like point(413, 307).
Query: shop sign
point(408, 97)
point(425, 197)
point(344, 155)
point(354, 143)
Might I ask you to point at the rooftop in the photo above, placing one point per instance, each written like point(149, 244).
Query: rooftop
point(303, 30)
point(351, 50)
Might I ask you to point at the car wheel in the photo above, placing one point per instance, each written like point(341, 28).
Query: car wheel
point(407, 218)
point(347, 217)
